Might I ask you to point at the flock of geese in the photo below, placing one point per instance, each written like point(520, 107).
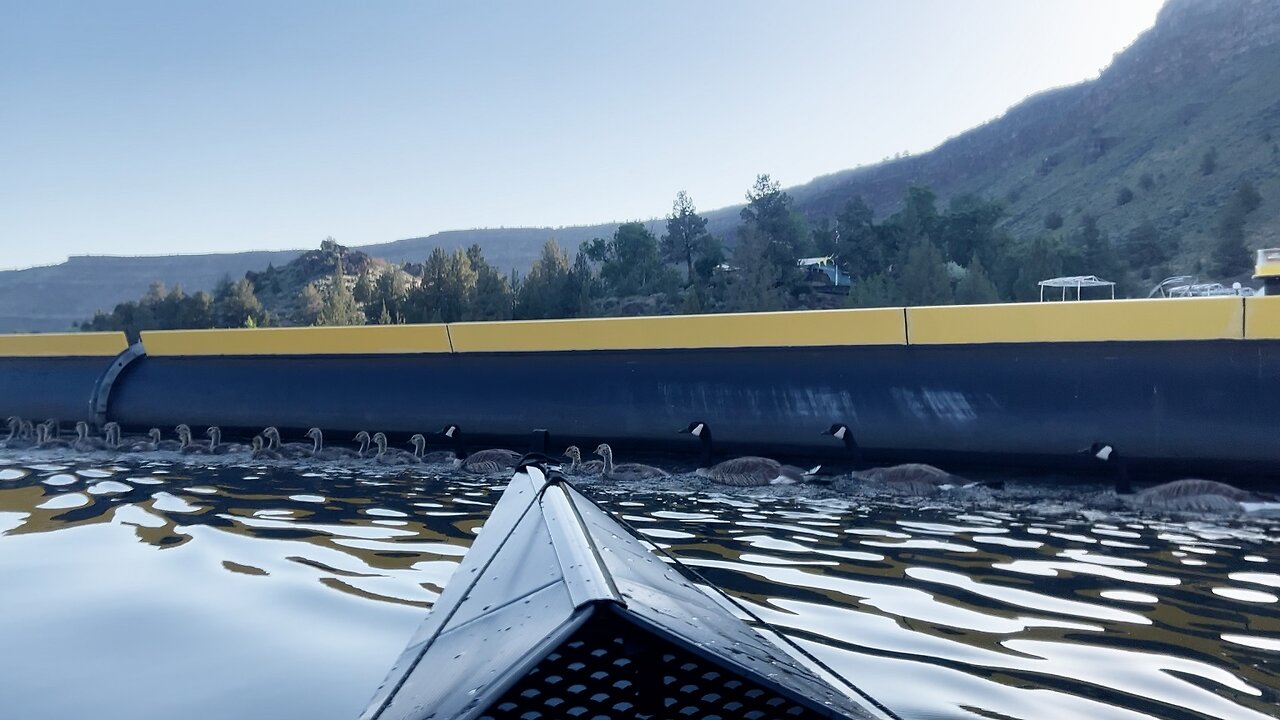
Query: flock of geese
point(1188, 495)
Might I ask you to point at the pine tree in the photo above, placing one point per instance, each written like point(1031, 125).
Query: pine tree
point(340, 307)
point(924, 279)
point(757, 283)
point(1231, 254)
point(976, 288)
point(872, 291)
point(686, 232)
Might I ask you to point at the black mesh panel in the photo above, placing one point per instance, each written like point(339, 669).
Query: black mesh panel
point(611, 670)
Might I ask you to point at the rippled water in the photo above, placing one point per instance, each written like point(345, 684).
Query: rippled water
point(155, 589)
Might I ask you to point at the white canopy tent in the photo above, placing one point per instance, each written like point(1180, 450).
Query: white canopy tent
point(1078, 282)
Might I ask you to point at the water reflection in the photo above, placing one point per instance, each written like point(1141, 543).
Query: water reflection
point(157, 589)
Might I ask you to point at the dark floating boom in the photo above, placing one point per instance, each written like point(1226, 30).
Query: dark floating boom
point(557, 611)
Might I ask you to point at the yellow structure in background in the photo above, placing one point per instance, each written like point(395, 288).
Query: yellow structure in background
point(354, 340)
point(1268, 265)
point(1262, 318)
point(878, 326)
point(1094, 321)
point(103, 344)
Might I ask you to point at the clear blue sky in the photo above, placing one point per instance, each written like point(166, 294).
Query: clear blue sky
point(152, 126)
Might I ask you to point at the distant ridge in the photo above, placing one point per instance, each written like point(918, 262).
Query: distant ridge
point(1129, 147)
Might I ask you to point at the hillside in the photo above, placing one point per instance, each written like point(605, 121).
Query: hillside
point(53, 298)
point(1164, 136)
point(1201, 82)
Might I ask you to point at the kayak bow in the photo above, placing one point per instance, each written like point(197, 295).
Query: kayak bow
point(557, 611)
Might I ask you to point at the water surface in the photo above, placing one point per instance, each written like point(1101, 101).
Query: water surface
point(155, 589)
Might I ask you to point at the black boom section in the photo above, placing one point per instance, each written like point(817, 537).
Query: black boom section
point(1174, 402)
point(50, 387)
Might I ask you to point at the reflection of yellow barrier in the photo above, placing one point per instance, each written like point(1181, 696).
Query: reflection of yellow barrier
point(105, 344)
point(1262, 318)
point(880, 326)
point(357, 340)
point(1136, 320)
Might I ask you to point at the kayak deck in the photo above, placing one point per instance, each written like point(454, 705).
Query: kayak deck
point(557, 611)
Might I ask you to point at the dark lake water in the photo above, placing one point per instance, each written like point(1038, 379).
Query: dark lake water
point(155, 589)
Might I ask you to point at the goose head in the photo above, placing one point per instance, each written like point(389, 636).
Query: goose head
point(700, 430)
point(315, 433)
point(603, 450)
point(362, 437)
point(573, 453)
point(270, 433)
point(1103, 452)
point(15, 424)
point(112, 431)
point(82, 430)
point(419, 444)
point(184, 434)
point(52, 428)
point(256, 443)
point(380, 439)
point(154, 434)
point(215, 433)
point(697, 428)
point(841, 432)
point(1106, 454)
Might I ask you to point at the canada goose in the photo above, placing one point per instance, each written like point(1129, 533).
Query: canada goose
point(53, 435)
point(217, 447)
point(320, 452)
point(157, 443)
point(186, 446)
point(15, 424)
point(290, 449)
point(83, 442)
point(908, 478)
point(44, 442)
point(480, 462)
point(438, 457)
point(1186, 495)
point(20, 434)
point(392, 456)
point(578, 467)
point(258, 452)
point(626, 471)
point(748, 471)
point(363, 438)
point(111, 431)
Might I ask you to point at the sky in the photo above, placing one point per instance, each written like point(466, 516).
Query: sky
point(140, 127)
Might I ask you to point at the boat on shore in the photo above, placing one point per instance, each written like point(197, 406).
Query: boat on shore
point(558, 611)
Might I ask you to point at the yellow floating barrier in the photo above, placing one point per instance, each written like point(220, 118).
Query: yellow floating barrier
point(354, 340)
point(879, 326)
point(1262, 318)
point(1092, 321)
point(103, 344)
